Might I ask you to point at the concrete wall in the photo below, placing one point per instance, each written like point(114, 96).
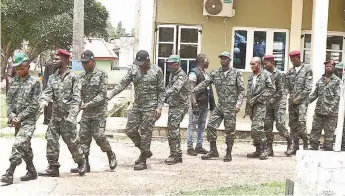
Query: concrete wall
point(104, 65)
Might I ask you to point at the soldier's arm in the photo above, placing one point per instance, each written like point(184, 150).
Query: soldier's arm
point(315, 94)
point(123, 84)
point(9, 103)
point(270, 87)
point(307, 87)
point(47, 94)
point(161, 89)
point(204, 84)
point(176, 87)
point(337, 91)
point(240, 89)
point(102, 95)
point(34, 104)
point(280, 91)
point(75, 101)
point(192, 84)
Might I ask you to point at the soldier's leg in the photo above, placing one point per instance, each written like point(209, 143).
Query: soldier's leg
point(268, 127)
point(230, 126)
point(192, 122)
point(302, 128)
point(293, 124)
point(315, 133)
point(69, 136)
point(201, 128)
point(85, 135)
point(28, 157)
point(258, 121)
point(343, 138)
point(329, 127)
point(282, 128)
point(133, 122)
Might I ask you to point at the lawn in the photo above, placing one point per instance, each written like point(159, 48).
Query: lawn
point(274, 188)
point(3, 121)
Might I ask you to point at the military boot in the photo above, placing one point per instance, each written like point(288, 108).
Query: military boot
point(141, 165)
point(304, 138)
point(270, 148)
point(228, 156)
point(51, 171)
point(257, 152)
point(82, 167)
point(31, 174)
point(8, 177)
point(112, 159)
point(212, 153)
point(173, 159)
point(294, 147)
point(264, 150)
point(289, 144)
point(88, 168)
point(149, 155)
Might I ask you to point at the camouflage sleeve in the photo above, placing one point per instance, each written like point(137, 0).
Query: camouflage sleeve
point(123, 84)
point(270, 87)
point(287, 83)
point(204, 84)
point(161, 89)
point(308, 86)
point(315, 94)
point(9, 103)
point(280, 91)
point(241, 90)
point(102, 95)
point(34, 104)
point(176, 87)
point(337, 91)
point(47, 94)
point(75, 102)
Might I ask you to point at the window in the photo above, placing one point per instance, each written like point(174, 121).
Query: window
point(334, 46)
point(250, 42)
point(182, 40)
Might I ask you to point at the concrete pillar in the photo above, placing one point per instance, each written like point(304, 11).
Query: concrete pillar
point(296, 26)
point(147, 26)
point(318, 45)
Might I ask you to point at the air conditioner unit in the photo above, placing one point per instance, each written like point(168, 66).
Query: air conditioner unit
point(221, 8)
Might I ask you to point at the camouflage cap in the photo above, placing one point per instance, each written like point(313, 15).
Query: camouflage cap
point(19, 58)
point(340, 65)
point(173, 59)
point(225, 54)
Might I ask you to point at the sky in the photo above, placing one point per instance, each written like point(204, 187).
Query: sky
point(121, 10)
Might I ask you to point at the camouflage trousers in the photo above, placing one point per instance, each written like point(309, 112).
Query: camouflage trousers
point(275, 114)
point(93, 128)
point(216, 118)
point(68, 132)
point(328, 124)
point(258, 122)
point(175, 117)
point(297, 121)
point(139, 128)
point(343, 138)
point(21, 148)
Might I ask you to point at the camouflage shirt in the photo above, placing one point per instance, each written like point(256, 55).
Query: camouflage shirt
point(94, 93)
point(177, 90)
point(64, 92)
point(229, 86)
point(148, 87)
point(279, 96)
point(299, 84)
point(327, 92)
point(22, 98)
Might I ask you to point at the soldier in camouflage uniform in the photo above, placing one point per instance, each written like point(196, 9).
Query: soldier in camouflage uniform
point(147, 106)
point(276, 108)
point(177, 95)
point(64, 91)
point(339, 70)
point(327, 93)
point(22, 109)
point(94, 98)
point(299, 81)
point(230, 90)
point(260, 89)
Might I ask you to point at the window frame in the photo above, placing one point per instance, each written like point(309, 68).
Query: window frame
point(269, 45)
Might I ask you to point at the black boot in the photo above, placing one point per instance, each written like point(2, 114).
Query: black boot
point(82, 167)
point(289, 144)
point(200, 150)
point(31, 174)
point(88, 168)
point(257, 152)
point(51, 171)
point(270, 148)
point(264, 150)
point(304, 138)
point(212, 153)
point(191, 152)
point(228, 156)
point(173, 159)
point(8, 177)
point(112, 159)
point(149, 155)
point(294, 147)
point(141, 165)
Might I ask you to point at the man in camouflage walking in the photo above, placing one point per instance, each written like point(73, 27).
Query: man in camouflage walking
point(147, 106)
point(276, 108)
point(64, 91)
point(259, 91)
point(299, 82)
point(48, 71)
point(94, 105)
point(177, 95)
point(230, 90)
point(22, 109)
point(327, 93)
point(339, 70)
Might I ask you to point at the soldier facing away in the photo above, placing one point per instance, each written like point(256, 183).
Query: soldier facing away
point(276, 108)
point(260, 90)
point(327, 93)
point(64, 91)
point(230, 90)
point(177, 95)
point(299, 82)
point(22, 109)
point(147, 106)
point(94, 105)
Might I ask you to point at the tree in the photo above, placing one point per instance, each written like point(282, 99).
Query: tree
point(120, 31)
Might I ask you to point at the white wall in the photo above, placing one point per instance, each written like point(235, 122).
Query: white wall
point(126, 54)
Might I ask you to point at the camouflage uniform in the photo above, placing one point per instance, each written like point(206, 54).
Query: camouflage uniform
point(64, 92)
point(275, 111)
point(327, 92)
point(299, 86)
point(257, 96)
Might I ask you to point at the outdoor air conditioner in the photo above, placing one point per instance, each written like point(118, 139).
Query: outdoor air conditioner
point(222, 8)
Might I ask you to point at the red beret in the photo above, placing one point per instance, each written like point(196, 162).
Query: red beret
point(295, 53)
point(330, 61)
point(267, 57)
point(63, 52)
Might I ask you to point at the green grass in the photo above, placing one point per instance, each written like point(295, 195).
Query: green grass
point(274, 188)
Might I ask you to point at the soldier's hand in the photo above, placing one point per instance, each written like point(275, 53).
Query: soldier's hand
point(158, 113)
point(295, 102)
point(15, 122)
point(237, 109)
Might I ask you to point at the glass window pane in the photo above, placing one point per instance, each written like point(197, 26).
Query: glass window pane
point(336, 56)
point(166, 34)
point(165, 50)
point(192, 64)
point(335, 42)
point(240, 49)
point(307, 41)
point(259, 48)
point(161, 64)
point(279, 42)
point(189, 35)
point(188, 51)
point(184, 64)
point(306, 56)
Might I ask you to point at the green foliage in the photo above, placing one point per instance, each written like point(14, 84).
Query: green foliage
point(117, 32)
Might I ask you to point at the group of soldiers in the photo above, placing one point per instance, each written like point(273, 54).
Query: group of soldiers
point(266, 96)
